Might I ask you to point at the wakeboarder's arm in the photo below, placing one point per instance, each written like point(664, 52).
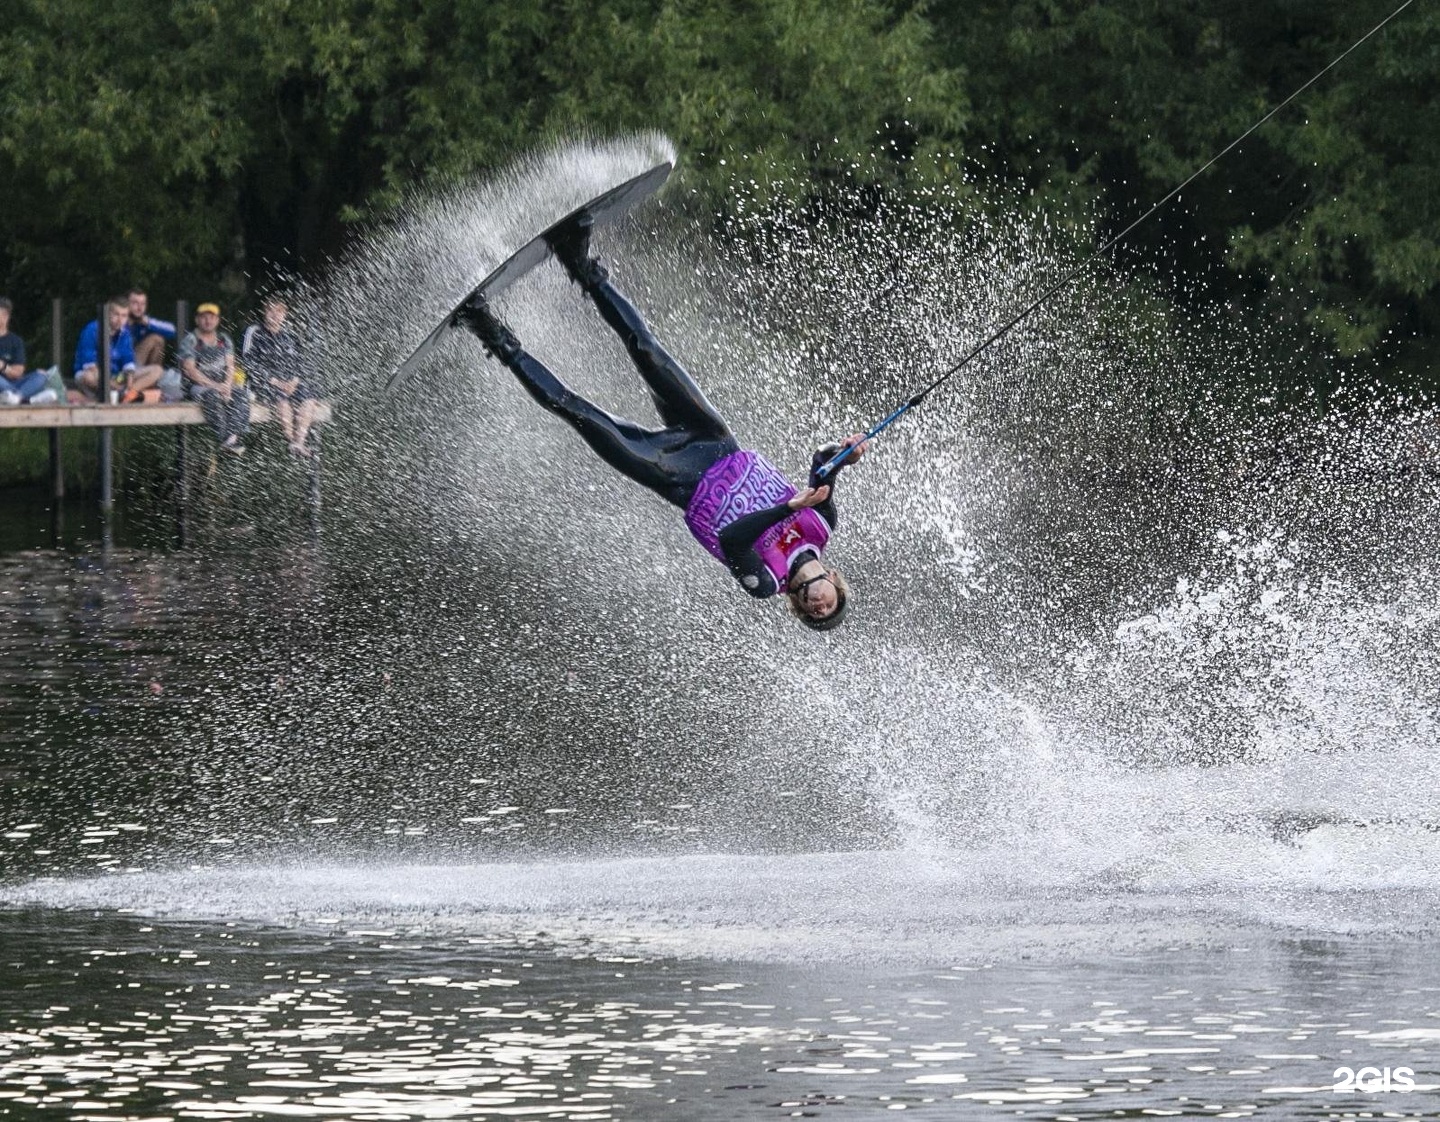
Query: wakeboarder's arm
point(823, 455)
point(737, 542)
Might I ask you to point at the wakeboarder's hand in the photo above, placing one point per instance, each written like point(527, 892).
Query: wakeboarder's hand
point(858, 446)
point(810, 496)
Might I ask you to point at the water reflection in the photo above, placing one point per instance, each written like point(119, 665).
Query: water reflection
point(248, 698)
point(152, 1021)
point(114, 671)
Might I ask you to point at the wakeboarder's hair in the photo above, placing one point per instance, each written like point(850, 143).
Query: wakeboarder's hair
point(835, 618)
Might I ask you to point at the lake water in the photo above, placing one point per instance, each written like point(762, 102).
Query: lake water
point(120, 1017)
point(213, 911)
point(493, 799)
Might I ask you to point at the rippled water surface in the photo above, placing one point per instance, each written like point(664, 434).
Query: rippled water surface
point(406, 944)
point(118, 1017)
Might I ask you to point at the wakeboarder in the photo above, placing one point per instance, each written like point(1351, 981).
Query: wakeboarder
point(737, 504)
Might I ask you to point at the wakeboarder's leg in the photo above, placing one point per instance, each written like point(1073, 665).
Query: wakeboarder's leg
point(631, 450)
point(680, 401)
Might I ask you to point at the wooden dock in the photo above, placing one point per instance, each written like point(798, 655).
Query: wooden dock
point(104, 419)
point(94, 416)
point(179, 415)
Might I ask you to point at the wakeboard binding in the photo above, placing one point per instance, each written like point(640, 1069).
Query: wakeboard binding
point(570, 242)
point(482, 322)
point(568, 239)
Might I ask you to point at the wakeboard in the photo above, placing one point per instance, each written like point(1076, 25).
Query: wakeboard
point(605, 207)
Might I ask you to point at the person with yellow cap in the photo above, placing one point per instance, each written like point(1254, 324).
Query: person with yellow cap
point(207, 359)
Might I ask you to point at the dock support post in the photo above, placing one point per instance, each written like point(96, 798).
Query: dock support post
point(182, 487)
point(107, 470)
point(315, 495)
point(57, 490)
point(57, 360)
point(182, 466)
point(107, 466)
point(107, 435)
point(57, 467)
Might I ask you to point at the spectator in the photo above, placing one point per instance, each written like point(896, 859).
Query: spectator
point(278, 374)
point(207, 359)
point(149, 335)
point(126, 378)
point(15, 385)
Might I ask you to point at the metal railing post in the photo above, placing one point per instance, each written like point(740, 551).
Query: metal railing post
point(57, 339)
point(107, 467)
point(57, 359)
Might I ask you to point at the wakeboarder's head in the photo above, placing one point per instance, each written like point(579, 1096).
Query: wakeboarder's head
point(820, 602)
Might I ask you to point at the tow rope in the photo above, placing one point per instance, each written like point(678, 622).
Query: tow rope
point(824, 471)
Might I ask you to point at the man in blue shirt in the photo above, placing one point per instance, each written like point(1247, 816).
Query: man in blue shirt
point(126, 379)
point(15, 385)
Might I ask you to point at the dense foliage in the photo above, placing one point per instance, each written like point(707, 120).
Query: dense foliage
point(196, 144)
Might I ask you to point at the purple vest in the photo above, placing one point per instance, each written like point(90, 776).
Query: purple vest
point(740, 484)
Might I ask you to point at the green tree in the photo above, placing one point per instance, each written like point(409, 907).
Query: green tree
point(119, 146)
point(1324, 213)
point(1361, 246)
point(182, 139)
point(192, 144)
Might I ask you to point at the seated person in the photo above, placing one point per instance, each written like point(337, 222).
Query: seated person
point(277, 373)
point(149, 335)
point(127, 378)
point(207, 359)
point(17, 387)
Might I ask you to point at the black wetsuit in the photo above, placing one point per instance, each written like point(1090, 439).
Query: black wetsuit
point(671, 461)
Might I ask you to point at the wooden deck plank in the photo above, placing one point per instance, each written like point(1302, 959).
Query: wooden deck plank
point(124, 416)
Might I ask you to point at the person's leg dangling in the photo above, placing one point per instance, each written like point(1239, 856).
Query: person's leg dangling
point(631, 450)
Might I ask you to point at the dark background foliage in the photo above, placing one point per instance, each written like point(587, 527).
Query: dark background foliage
point(198, 146)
